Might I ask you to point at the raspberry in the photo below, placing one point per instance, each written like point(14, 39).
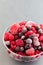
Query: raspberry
point(41, 38)
point(13, 43)
point(30, 51)
point(28, 33)
point(14, 28)
point(11, 37)
point(19, 42)
point(22, 23)
point(13, 47)
point(6, 36)
point(33, 29)
point(20, 29)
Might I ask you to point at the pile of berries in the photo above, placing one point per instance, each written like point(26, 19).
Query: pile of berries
point(25, 38)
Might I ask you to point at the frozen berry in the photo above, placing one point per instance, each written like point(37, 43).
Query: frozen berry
point(41, 26)
point(6, 36)
point(35, 39)
point(35, 47)
point(19, 29)
point(21, 49)
point(39, 47)
point(14, 28)
point(37, 27)
point(33, 29)
point(27, 46)
point(28, 27)
point(30, 51)
point(22, 37)
point(20, 34)
point(41, 38)
point(31, 36)
point(22, 23)
point(36, 43)
point(19, 42)
point(28, 41)
point(40, 31)
point(11, 37)
point(28, 33)
point(13, 43)
point(13, 47)
point(17, 48)
point(24, 30)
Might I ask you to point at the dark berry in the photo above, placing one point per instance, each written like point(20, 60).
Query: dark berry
point(31, 36)
point(17, 48)
point(28, 41)
point(42, 48)
point(35, 48)
point(23, 37)
point(37, 27)
point(20, 34)
point(40, 31)
point(24, 30)
point(28, 27)
point(21, 49)
point(27, 46)
point(39, 47)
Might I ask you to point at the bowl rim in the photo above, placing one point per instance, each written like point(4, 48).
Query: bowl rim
point(13, 52)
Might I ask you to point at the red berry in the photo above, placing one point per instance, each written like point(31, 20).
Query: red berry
point(19, 42)
point(14, 28)
point(41, 26)
point(11, 37)
point(6, 36)
point(33, 29)
point(28, 33)
point(13, 43)
point(41, 38)
point(13, 47)
point(30, 52)
point(20, 29)
point(22, 23)
point(41, 43)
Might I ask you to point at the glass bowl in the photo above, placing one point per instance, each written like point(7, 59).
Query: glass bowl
point(20, 57)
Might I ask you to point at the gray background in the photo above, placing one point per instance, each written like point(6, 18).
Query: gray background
point(12, 11)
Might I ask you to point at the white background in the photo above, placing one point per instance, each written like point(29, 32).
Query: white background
point(12, 11)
